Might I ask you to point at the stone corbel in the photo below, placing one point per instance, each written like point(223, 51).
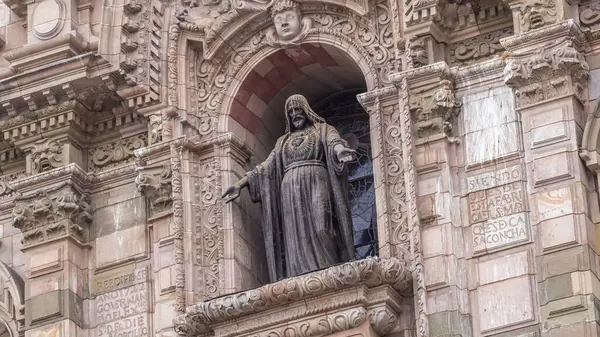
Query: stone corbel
point(356, 295)
point(156, 187)
point(61, 211)
point(432, 103)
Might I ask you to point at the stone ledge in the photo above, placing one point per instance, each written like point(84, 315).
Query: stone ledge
point(368, 288)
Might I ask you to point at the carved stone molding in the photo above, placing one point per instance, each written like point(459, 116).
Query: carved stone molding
point(50, 214)
point(116, 153)
point(591, 141)
point(157, 188)
point(46, 155)
point(477, 48)
point(372, 273)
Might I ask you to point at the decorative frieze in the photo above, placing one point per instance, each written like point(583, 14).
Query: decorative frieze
point(477, 48)
point(68, 114)
point(114, 154)
point(50, 214)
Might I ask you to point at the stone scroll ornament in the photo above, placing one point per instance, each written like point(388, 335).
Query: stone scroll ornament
point(303, 189)
point(289, 27)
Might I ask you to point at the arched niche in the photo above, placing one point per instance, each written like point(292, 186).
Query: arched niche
point(224, 77)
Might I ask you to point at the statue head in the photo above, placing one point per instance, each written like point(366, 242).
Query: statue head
point(287, 18)
point(298, 113)
point(538, 13)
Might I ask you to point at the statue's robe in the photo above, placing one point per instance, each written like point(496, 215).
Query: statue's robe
point(307, 223)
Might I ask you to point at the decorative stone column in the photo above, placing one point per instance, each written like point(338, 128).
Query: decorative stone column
point(551, 88)
point(54, 215)
point(428, 94)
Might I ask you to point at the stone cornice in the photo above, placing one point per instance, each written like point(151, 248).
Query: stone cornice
point(370, 97)
point(370, 272)
point(432, 72)
point(195, 145)
point(536, 37)
point(469, 75)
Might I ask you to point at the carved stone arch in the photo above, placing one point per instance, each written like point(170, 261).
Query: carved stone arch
point(12, 304)
point(204, 75)
point(228, 57)
point(326, 38)
point(590, 144)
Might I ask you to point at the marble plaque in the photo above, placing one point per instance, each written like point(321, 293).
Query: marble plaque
point(118, 278)
point(122, 303)
point(133, 326)
point(493, 179)
point(497, 202)
point(500, 232)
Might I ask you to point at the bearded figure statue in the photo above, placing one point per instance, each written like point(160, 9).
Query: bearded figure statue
point(303, 189)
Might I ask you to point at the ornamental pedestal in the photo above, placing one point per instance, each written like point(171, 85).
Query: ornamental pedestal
point(360, 298)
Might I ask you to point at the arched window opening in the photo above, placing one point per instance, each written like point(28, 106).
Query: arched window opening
point(346, 114)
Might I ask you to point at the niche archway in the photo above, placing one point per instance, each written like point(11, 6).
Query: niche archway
point(330, 79)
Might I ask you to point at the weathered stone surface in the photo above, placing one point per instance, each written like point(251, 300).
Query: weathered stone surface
point(499, 305)
point(122, 123)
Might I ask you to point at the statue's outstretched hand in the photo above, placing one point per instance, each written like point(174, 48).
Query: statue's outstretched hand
point(345, 155)
point(231, 193)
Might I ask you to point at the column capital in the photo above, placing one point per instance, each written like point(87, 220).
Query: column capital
point(555, 70)
point(63, 211)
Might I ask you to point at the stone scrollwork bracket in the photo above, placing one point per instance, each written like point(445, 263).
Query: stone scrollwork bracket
point(157, 188)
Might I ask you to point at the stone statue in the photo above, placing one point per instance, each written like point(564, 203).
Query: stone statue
point(303, 189)
point(289, 25)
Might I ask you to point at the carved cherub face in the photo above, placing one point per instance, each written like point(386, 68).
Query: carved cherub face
point(287, 24)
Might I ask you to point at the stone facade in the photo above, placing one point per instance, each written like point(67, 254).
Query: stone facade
point(122, 121)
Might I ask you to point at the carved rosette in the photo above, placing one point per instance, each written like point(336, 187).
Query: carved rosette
point(157, 188)
point(388, 276)
point(48, 215)
point(548, 73)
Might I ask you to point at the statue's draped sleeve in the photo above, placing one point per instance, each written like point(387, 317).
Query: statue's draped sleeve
point(338, 177)
point(264, 185)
